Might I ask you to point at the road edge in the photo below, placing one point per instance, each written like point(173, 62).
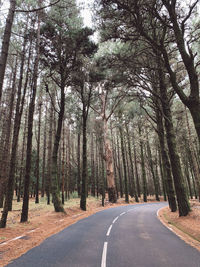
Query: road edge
point(182, 235)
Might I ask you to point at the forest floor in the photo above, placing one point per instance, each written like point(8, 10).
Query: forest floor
point(187, 228)
point(17, 238)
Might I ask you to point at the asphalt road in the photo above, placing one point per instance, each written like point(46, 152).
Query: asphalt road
point(125, 236)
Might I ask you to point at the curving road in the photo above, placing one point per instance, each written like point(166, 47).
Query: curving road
point(124, 236)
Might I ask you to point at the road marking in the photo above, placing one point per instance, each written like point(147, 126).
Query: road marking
point(158, 212)
point(115, 219)
point(104, 254)
point(131, 209)
point(122, 213)
point(109, 229)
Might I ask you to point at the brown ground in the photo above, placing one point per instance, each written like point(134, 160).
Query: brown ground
point(44, 222)
point(187, 228)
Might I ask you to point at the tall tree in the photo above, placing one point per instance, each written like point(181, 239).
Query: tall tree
point(6, 42)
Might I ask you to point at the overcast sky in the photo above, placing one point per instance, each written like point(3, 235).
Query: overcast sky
point(87, 11)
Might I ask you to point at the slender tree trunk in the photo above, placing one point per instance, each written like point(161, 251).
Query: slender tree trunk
point(143, 166)
point(93, 182)
point(49, 156)
point(84, 162)
point(109, 165)
point(120, 170)
point(6, 43)
point(162, 177)
point(44, 155)
point(38, 155)
point(97, 168)
point(136, 168)
point(21, 177)
point(131, 164)
point(193, 158)
point(115, 166)
point(124, 165)
point(54, 182)
point(24, 214)
point(167, 173)
point(102, 173)
point(79, 164)
point(63, 165)
point(5, 165)
point(155, 181)
point(183, 204)
point(188, 177)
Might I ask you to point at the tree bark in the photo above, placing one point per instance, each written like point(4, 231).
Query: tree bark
point(84, 161)
point(58, 207)
point(143, 166)
point(155, 181)
point(38, 154)
point(183, 204)
point(124, 165)
point(6, 43)
point(24, 214)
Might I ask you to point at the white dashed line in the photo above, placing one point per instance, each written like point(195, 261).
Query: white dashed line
point(109, 229)
point(104, 254)
point(131, 209)
point(115, 219)
point(122, 213)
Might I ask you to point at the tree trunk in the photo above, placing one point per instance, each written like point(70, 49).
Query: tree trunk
point(124, 165)
point(24, 214)
point(84, 162)
point(120, 170)
point(112, 196)
point(49, 155)
point(131, 163)
point(193, 158)
point(6, 43)
point(38, 155)
point(6, 155)
point(63, 165)
point(167, 173)
point(79, 164)
point(143, 166)
point(58, 207)
point(155, 181)
point(21, 177)
point(183, 204)
point(136, 169)
point(44, 155)
point(93, 182)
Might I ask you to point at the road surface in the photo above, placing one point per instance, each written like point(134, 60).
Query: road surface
point(124, 236)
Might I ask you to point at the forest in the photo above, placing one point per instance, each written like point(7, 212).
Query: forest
point(110, 111)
